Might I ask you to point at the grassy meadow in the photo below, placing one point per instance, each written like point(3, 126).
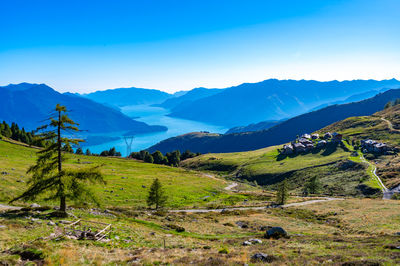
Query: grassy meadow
point(128, 181)
point(356, 231)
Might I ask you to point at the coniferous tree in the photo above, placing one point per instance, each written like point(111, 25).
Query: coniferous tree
point(174, 157)
point(148, 158)
point(6, 130)
point(48, 174)
point(156, 195)
point(79, 151)
point(312, 186)
point(67, 148)
point(282, 194)
point(88, 152)
point(158, 157)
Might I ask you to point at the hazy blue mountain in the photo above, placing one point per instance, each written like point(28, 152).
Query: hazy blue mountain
point(128, 96)
point(353, 98)
point(30, 104)
point(267, 124)
point(272, 100)
point(186, 99)
point(279, 134)
point(253, 127)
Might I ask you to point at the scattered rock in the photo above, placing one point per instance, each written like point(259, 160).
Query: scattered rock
point(64, 222)
point(13, 169)
point(262, 257)
point(3, 226)
point(242, 224)
point(51, 223)
point(4, 173)
point(255, 241)
point(20, 181)
point(124, 177)
point(143, 186)
point(276, 233)
point(152, 233)
point(246, 243)
point(35, 205)
point(116, 237)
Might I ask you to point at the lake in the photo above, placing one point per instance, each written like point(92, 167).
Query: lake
point(152, 116)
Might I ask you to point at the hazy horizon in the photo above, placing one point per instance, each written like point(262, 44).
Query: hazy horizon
point(56, 89)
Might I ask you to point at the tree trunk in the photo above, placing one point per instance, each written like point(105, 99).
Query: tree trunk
point(59, 141)
point(63, 206)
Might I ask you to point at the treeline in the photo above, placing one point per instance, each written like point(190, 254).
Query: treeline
point(14, 132)
point(392, 103)
point(110, 152)
point(170, 158)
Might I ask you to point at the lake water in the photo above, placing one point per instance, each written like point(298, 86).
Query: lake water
point(153, 116)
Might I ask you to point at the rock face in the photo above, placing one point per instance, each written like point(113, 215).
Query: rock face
point(276, 233)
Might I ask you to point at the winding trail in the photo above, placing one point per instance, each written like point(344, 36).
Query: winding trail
point(296, 204)
point(229, 187)
point(390, 125)
point(387, 193)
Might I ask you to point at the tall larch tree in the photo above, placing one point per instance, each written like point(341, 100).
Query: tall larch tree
point(48, 174)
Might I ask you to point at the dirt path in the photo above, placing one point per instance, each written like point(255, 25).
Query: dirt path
point(257, 208)
point(229, 187)
point(387, 193)
point(390, 125)
point(9, 207)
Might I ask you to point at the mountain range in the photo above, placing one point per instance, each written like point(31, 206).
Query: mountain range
point(272, 100)
point(185, 100)
point(281, 133)
point(128, 96)
point(30, 104)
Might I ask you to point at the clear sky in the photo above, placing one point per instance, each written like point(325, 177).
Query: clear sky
point(85, 45)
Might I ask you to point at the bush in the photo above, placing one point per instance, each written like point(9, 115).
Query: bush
point(176, 227)
point(28, 253)
point(223, 250)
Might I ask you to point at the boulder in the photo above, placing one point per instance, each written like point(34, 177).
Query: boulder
point(276, 233)
point(262, 257)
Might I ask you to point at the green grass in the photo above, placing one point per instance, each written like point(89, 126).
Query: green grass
point(372, 181)
point(183, 187)
point(265, 161)
point(370, 127)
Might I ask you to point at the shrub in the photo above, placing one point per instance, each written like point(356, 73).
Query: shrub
point(223, 250)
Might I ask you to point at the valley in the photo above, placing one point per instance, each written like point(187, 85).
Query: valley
point(219, 207)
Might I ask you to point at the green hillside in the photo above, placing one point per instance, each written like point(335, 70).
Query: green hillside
point(339, 172)
point(127, 180)
point(382, 126)
point(332, 165)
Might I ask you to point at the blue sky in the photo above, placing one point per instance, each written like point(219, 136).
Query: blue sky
point(82, 46)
